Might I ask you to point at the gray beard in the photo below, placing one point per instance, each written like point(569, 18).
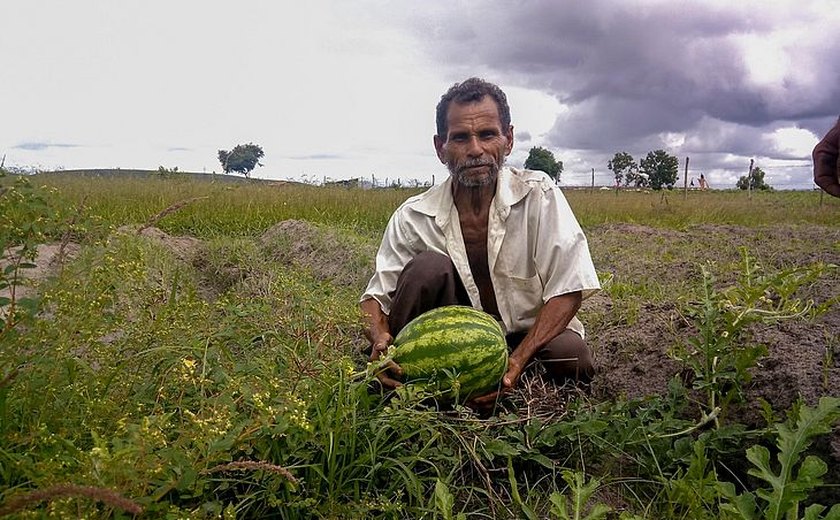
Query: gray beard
point(460, 174)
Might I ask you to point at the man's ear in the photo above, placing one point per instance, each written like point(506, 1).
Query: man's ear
point(509, 135)
point(439, 143)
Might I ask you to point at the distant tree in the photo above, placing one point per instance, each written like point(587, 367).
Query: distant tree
point(242, 159)
point(624, 168)
point(756, 181)
point(164, 171)
point(661, 169)
point(543, 160)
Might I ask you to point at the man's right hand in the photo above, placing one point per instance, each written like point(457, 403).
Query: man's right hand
point(389, 372)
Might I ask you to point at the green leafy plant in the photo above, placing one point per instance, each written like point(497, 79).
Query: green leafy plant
point(792, 481)
point(575, 507)
point(721, 354)
point(26, 218)
point(445, 502)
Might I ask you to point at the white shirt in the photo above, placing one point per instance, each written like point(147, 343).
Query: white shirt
point(536, 248)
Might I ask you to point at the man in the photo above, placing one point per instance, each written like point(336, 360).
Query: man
point(826, 173)
point(498, 239)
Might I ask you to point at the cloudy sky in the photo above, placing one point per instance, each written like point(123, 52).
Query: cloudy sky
point(340, 89)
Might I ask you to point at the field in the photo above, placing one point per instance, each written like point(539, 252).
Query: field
point(179, 348)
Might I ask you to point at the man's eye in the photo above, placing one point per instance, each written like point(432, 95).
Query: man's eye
point(458, 138)
point(487, 135)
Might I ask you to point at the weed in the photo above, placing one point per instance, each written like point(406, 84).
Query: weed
point(575, 507)
point(794, 479)
point(721, 355)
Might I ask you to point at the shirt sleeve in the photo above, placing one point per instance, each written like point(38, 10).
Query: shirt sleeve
point(394, 253)
point(562, 255)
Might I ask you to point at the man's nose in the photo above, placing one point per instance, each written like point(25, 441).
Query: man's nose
point(474, 148)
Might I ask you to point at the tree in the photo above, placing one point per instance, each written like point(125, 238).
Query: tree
point(756, 181)
point(543, 160)
point(242, 159)
point(623, 167)
point(661, 169)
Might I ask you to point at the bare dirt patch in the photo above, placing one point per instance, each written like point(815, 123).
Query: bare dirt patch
point(667, 258)
point(49, 258)
point(632, 355)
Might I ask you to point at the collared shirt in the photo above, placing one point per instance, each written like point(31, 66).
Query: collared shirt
point(536, 248)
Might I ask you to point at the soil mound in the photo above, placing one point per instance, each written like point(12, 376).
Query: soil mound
point(185, 248)
point(328, 254)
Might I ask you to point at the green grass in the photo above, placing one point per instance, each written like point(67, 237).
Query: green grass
point(677, 211)
point(248, 208)
point(229, 209)
point(233, 385)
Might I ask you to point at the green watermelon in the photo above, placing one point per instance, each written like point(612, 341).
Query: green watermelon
point(456, 349)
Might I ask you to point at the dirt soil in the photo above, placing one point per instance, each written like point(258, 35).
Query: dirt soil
point(632, 358)
point(632, 355)
point(48, 260)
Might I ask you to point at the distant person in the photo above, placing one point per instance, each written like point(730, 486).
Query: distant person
point(826, 174)
point(703, 184)
point(499, 239)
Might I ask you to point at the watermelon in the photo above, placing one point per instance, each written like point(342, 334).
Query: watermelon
point(458, 350)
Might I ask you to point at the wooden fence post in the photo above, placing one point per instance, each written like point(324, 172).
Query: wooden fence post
point(685, 179)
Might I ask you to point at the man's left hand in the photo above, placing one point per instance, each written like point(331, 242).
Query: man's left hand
point(509, 380)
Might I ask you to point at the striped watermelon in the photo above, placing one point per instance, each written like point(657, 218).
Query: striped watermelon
point(453, 343)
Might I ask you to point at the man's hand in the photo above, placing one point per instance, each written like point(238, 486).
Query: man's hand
point(380, 339)
point(508, 383)
point(514, 370)
point(551, 320)
point(389, 371)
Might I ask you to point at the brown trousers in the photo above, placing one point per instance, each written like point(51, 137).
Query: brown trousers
point(430, 280)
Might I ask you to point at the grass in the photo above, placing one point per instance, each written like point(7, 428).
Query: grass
point(230, 383)
point(677, 211)
point(230, 209)
point(248, 208)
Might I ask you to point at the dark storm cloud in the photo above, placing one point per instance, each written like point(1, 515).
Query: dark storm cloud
point(630, 73)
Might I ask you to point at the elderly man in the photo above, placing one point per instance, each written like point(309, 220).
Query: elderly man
point(499, 239)
point(826, 172)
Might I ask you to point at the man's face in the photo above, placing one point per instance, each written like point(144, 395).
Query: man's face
point(475, 145)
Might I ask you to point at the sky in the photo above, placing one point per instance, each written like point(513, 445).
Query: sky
point(343, 89)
